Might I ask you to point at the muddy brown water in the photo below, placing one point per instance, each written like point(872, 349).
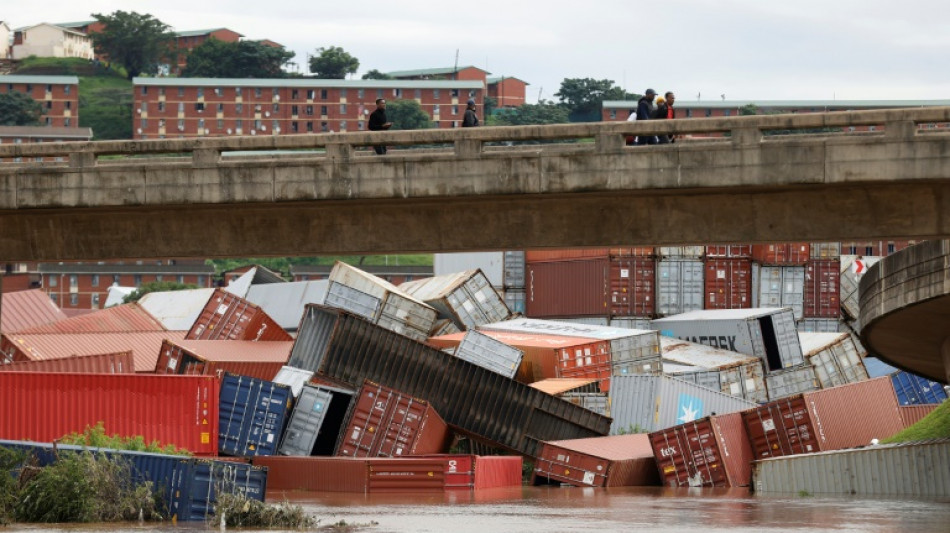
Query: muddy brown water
point(552, 510)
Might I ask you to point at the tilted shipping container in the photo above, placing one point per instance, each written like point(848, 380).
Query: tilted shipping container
point(835, 357)
point(728, 283)
point(713, 451)
point(262, 360)
point(911, 389)
point(593, 401)
point(492, 265)
point(792, 380)
point(295, 378)
point(111, 363)
point(729, 372)
point(616, 461)
point(821, 325)
point(822, 289)
point(316, 421)
point(230, 317)
point(853, 268)
point(568, 288)
point(483, 350)
point(679, 286)
point(251, 415)
point(467, 298)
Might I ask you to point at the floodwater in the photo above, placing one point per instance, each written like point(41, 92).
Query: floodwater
point(553, 510)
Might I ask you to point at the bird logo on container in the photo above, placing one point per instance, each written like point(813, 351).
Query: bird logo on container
point(689, 408)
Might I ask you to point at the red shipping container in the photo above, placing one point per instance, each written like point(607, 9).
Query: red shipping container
point(110, 363)
point(213, 358)
point(616, 461)
point(831, 419)
point(786, 253)
point(743, 251)
point(633, 251)
point(728, 283)
point(911, 414)
point(347, 474)
point(179, 410)
point(540, 256)
point(567, 288)
point(477, 472)
point(632, 286)
point(710, 452)
point(822, 289)
point(230, 317)
point(387, 423)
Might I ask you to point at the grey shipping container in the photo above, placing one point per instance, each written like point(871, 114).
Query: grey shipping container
point(492, 265)
point(514, 270)
point(514, 299)
point(467, 298)
point(821, 325)
point(316, 421)
point(629, 322)
point(644, 403)
point(679, 286)
point(586, 320)
point(791, 381)
point(835, 357)
point(485, 405)
point(682, 252)
point(730, 372)
point(285, 302)
point(768, 334)
point(909, 469)
point(594, 401)
point(781, 286)
point(444, 327)
point(486, 352)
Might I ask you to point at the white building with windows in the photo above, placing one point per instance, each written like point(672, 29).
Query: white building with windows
point(47, 40)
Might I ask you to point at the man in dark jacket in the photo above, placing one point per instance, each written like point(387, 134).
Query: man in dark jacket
point(378, 122)
point(645, 112)
point(664, 111)
point(471, 119)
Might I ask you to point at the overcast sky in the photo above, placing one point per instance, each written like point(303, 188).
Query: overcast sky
point(744, 49)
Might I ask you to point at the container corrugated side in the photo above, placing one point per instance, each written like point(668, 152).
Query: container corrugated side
point(568, 288)
point(231, 317)
point(629, 322)
point(350, 350)
point(835, 358)
point(904, 470)
point(568, 254)
point(179, 410)
point(617, 461)
point(632, 286)
point(782, 286)
point(729, 250)
point(821, 325)
point(594, 401)
point(825, 250)
point(407, 316)
point(681, 252)
point(208, 478)
point(710, 452)
point(728, 283)
point(911, 414)
point(515, 299)
point(641, 403)
point(112, 363)
point(251, 415)
point(822, 288)
point(467, 298)
point(785, 253)
point(319, 474)
point(792, 380)
point(344, 297)
point(486, 352)
point(478, 472)
point(679, 286)
point(316, 421)
point(514, 271)
point(912, 389)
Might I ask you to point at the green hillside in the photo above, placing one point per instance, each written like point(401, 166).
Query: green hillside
point(936, 425)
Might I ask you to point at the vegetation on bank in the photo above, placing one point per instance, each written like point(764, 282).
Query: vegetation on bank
point(96, 437)
point(936, 425)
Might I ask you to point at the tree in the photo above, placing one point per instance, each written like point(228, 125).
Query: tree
point(156, 286)
point(376, 75)
point(242, 59)
point(137, 42)
point(19, 109)
point(490, 105)
point(749, 109)
point(407, 115)
point(333, 63)
point(527, 114)
point(583, 97)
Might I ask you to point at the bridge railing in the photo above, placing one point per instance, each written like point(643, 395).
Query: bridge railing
point(471, 142)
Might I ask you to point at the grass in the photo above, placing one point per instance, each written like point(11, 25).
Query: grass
point(96, 437)
point(936, 425)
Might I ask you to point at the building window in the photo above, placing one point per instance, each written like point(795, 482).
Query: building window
point(49, 104)
point(309, 127)
point(201, 125)
point(239, 124)
point(471, 93)
point(323, 94)
point(158, 277)
point(342, 109)
point(293, 126)
point(276, 108)
point(275, 126)
point(891, 248)
point(95, 300)
point(435, 109)
point(220, 124)
point(201, 92)
point(237, 91)
point(238, 108)
point(455, 93)
point(257, 92)
point(455, 110)
point(220, 108)
point(181, 124)
point(69, 105)
point(181, 107)
point(161, 107)
point(67, 122)
point(144, 124)
point(29, 87)
point(181, 91)
point(343, 93)
point(613, 114)
point(342, 125)
point(201, 281)
point(161, 123)
point(54, 297)
point(324, 127)
point(66, 89)
point(276, 93)
point(360, 125)
point(161, 91)
point(199, 107)
point(397, 93)
point(294, 94)
point(436, 93)
point(309, 110)
point(53, 281)
point(689, 113)
point(294, 110)
point(217, 91)
point(726, 112)
point(379, 93)
point(137, 280)
point(323, 111)
point(49, 121)
point(360, 93)
point(74, 299)
point(73, 281)
point(257, 124)
point(145, 89)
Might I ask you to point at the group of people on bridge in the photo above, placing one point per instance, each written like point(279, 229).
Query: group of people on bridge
point(653, 107)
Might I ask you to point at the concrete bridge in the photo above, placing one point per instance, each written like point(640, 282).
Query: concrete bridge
point(725, 180)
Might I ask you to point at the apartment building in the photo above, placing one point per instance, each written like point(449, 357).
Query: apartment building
point(59, 96)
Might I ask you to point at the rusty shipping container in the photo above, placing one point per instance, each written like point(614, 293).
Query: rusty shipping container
point(786, 253)
point(230, 317)
point(633, 251)
point(349, 349)
point(743, 251)
point(467, 298)
point(710, 452)
point(728, 283)
point(822, 289)
point(911, 414)
point(853, 269)
point(383, 422)
point(568, 254)
point(835, 356)
point(825, 250)
point(213, 358)
point(568, 288)
point(632, 286)
point(179, 410)
point(361, 475)
point(110, 363)
point(616, 461)
point(830, 419)
point(478, 472)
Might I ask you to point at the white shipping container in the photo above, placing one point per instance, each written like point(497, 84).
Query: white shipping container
point(486, 352)
point(492, 265)
point(646, 403)
point(286, 302)
point(295, 378)
point(835, 357)
point(467, 298)
point(735, 374)
point(177, 310)
point(407, 316)
point(791, 381)
point(353, 300)
point(514, 299)
point(782, 286)
point(679, 286)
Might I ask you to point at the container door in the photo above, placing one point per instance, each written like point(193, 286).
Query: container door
point(352, 300)
point(305, 422)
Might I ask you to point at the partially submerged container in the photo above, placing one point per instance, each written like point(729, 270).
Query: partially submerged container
point(782, 286)
point(791, 381)
point(645, 403)
point(230, 317)
point(835, 357)
point(316, 421)
point(261, 360)
point(467, 298)
point(730, 372)
point(252, 414)
point(906, 470)
point(616, 461)
point(110, 363)
point(384, 422)
point(768, 334)
point(830, 419)
point(713, 451)
point(679, 286)
point(485, 351)
point(478, 472)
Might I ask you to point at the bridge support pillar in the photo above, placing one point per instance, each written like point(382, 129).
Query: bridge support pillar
point(468, 148)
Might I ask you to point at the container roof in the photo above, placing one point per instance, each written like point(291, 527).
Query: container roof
point(198, 33)
point(306, 83)
point(237, 351)
point(700, 355)
point(145, 346)
point(108, 363)
point(555, 386)
point(437, 71)
point(555, 327)
point(127, 317)
point(438, 287)
point(615, 447)
point(789, 104)
point(517, 338)
point(814, 342)
point(286, 302)
point(722, 314)
point(29, 78)
point(27, 309)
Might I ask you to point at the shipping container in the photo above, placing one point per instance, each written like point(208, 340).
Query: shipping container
point(822, 289)
point(176, 310)
point(110, 363)
point(118, 319)
point(782, 286)
point(904, 470)
point(835, 357)
point(830, 419)
point(743, 251)
point(251, 415)
point(911, 414)
point(679, 286)
point(207, 478)
point(617, 461)
point(229, 317)
point(726, 371)
point(713, 451)
point(467, 298)
point(825, 250)
point(479, 472)
point(491, 264)
point(295, 378)
point(570, 254)
point(728, 283)
point(585, 320)
point(561, 386)
point(787, 253)
point(316, 421)
point(853, 268)
point(629, 322)
point(349, 349)
point(633, 251)
point(681, 252)
point(646, 403)
point(145, 346)
point(792, 380)
point(285, 302)
point(911, 389)
point(487, 352)
point(821, 325)
point(262, 360)
point(27, 309)
point(514, 270)
point(592, 401)
point(632, 286)
point(768, 334)
point(178, 410)
point(384, 422)
point(443, 326)
point(568, 288)
point(515, 300)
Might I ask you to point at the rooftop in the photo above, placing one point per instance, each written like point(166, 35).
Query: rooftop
point(198, 33)
point(46, 132)
point(499, 79)
point(72, 268)
point(77, 24)
point(307, 83)
point(438, 71)
point(26, 309)
point(40, 80)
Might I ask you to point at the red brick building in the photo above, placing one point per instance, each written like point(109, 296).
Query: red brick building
point(442, 73)
point(186, 41)
point(194, 107)
point(59, 96)
point(507, 91)
point(40, 134)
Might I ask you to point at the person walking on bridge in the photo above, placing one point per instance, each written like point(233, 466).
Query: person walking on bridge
point(645, 112)
point(664, 111)
point(470, 120)
point(379, 122)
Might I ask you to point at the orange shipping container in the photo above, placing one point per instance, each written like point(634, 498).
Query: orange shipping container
point(539, 256)
point(710, 452)
point(348, 474)
point(260, 360)
point(615, 461)
point(229, 317)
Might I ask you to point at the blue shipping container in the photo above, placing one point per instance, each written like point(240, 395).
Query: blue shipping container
point(911, 389)
point(251, 415)
point(207, 477)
